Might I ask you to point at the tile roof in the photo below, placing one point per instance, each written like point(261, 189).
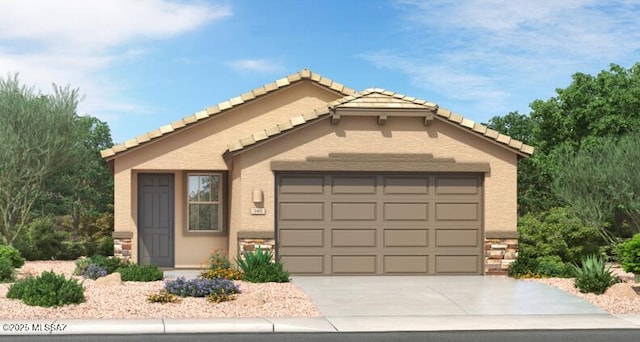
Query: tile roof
point(376, 98)
point(223, 107)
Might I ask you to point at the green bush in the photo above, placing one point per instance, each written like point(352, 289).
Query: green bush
point(523, 267)
point(12, 255)
point(134, 272)
point(43, 240)
point(105, 248)
point(71, 250)
point(47, 290)
point(552, 266)
point(109, 264)
point(593, 276)
point(258, 268)
point(629, 253)
point(557, 233)
point(81, 266)
point(267, 273)
point(90, 247)
point(7, 271)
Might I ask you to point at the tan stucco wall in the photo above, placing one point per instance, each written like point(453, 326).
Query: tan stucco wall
point(200, 148)
point(362, 134)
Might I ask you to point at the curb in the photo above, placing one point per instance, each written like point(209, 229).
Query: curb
point(318, 324)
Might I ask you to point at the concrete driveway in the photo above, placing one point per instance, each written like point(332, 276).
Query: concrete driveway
point(429, 296)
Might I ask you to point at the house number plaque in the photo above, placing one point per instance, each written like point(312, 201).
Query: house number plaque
point(258, 211)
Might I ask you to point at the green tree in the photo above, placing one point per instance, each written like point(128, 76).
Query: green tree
point(83, 190)
point(37, 139)
point(599, 182)
point(591, 106)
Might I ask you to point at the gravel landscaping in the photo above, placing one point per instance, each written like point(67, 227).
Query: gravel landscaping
point(128, 300)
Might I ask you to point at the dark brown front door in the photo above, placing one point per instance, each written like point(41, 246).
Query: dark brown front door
point(380, 224)
point(155, 219)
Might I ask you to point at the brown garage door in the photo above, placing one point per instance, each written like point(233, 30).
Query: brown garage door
point(375, 224)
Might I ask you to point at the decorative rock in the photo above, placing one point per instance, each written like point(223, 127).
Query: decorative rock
point(253, 299)
point(622, 290)
point(110, 279)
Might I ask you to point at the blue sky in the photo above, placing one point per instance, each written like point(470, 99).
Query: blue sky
point(146, 63)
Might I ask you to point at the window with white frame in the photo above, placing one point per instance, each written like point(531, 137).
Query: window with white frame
point(204, 202)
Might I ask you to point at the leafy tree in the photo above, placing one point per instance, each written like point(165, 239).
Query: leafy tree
point(591, 106)
point(83, 190)
point(600, 184)
point(37, 139)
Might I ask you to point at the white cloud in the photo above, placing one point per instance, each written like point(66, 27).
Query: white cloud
point(492, 49)
point(262, 66)
point(76, 42)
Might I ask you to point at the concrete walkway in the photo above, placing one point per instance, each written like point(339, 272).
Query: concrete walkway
point(351, 304)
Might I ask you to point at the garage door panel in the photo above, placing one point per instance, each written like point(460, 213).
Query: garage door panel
point(406, 211)
point(406, 264)
point(353, 264)
point(406, 185)
point(301, 211)
point(353, 211)
point(303, 264)
point(406, 237)
point(457, 237)
point(457, 264)
point(301, 237)
point(353, 238)
point(301, 185)
point(384, 224)
point(353, 185)
point(457, 185)
point(457, 211)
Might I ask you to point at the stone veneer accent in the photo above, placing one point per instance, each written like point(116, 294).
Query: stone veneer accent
point(249, 241)
point(501, 250)
point(122, 244)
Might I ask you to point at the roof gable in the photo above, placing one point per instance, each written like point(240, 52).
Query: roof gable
point(376, 98)
point(223, 107)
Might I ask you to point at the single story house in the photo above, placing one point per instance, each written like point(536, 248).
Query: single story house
point(335, 181)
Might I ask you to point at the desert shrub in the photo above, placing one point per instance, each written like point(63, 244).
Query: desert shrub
point(556, 233)
point(267, 273)
point(552, 266)
point(593, 276)
point(163, 297)
point(200, 287)
point(219, 260)
point(523, 267)
point(221, 297)
point(258, 267)
point(12, 255)
point(135, 272)
point(71, 250)
point(43, 240)
point(81, 266)
point(90, 247)
point(105, 247)
point(109, 264)
point(220, 267)
point(629, 254)
point(7, 271)
point(223, 273)
point(94, 272)
point(47, 290)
